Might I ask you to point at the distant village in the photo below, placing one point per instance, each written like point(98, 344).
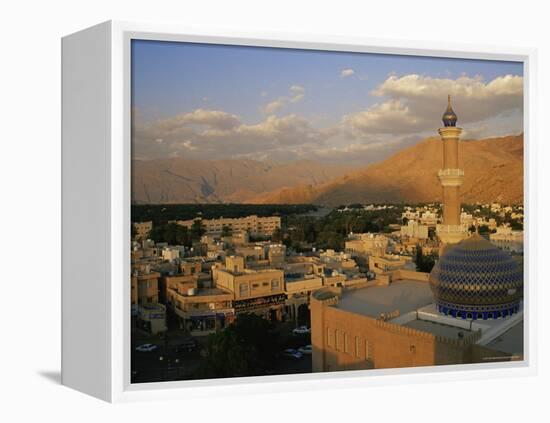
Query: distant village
point(236, 266)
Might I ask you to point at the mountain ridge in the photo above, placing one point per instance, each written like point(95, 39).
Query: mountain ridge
point(181, 180)
point(410, 175)
point(493, 172)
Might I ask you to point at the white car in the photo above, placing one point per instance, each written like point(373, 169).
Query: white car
point(292, 353)
point(147, 348)
point(306, 350)
point(301, 330)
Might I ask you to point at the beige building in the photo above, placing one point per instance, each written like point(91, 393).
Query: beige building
point(258, 291)
point(251, 224)
point(508, 240)
point(394, 323)
point(142, 229)
point(413, 229)
point(202, 310)
point(388, 263)
point(144, 286)
point(367, 244)
point(151, 317)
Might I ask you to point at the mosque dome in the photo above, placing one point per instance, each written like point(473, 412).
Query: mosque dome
point(449, 117)
point(476, 280)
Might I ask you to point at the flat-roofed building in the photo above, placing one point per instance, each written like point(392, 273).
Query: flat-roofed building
point(414, 230)
point(388, 263)
point(144, 286)
point(259, 291)
point(507, 239)
point(190, 267)
point(395, 323)
point(202, 310)
point(251, 224)
point(142, 229)
point(151, 317)
point(366, 245)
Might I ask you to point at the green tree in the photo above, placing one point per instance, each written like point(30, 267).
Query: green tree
point(197, 230)
point(424, 263)
point(245, 348)
point(277, 235)
point(516, 225)
point(483, 229)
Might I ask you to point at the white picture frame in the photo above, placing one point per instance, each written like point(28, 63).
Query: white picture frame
point(96, 208)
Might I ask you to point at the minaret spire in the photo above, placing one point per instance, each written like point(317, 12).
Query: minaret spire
point(449, 117)
point(451, 176)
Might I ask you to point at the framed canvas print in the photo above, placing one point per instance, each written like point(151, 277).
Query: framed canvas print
point(257, 212)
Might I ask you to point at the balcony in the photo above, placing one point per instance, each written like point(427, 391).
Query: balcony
point(450, 172)
point(451, 177)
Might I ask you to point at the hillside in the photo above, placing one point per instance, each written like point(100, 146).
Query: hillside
point(180, 180)
point(493, 172)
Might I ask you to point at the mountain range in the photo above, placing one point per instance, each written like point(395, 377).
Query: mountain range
point(180, 180)
point(493, 172)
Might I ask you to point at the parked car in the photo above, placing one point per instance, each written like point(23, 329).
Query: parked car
point(186, 346)
point(147, 348)
point(301, 330)
point(306, 350)
point(292, 353)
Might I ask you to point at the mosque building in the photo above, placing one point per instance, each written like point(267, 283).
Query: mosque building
point(467, 310)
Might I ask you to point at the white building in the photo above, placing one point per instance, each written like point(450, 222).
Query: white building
point(507, 239)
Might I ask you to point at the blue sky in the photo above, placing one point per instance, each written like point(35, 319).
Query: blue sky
point(314, 104)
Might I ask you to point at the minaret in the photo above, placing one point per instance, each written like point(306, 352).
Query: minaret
point(451, 177)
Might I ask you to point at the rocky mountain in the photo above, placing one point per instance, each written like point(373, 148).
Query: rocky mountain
point(493, 172)
point(181, 180)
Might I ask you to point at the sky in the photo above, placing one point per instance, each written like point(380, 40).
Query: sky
point(201, 101)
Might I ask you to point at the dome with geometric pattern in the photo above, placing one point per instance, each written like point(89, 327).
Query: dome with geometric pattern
point(476, 280)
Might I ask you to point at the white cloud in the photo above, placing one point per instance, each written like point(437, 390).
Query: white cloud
point(297, 93)
point(409, 108)
point(344, 73)
point(414, 103)
point(222, 135)
point(274, 105)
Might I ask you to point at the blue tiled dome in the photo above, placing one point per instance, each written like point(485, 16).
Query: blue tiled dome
point(476, 280)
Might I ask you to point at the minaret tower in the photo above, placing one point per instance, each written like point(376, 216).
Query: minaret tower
point(451, 177)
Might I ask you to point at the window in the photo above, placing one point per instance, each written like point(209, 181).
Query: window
point(336, 345)
point(330, 342)
point(243, 288)
point(255, 285)
point(265, 283)
point(275, 284)
point(346, 343)
point(368, 352)
point(357, 346)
